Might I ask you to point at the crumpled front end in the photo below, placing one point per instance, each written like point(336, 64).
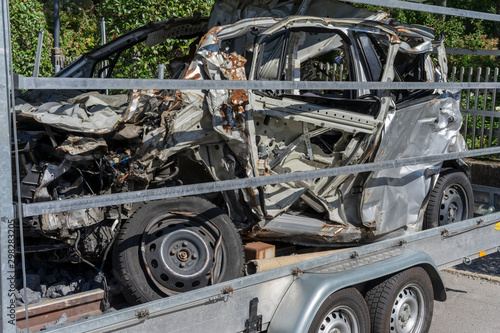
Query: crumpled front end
point(77, 144)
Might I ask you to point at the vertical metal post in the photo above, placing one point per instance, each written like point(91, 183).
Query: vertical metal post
point(56, 51)
point(7, 237)
point(161, 72)
point(494, 104)
point(464, 96)
point(476, 101)
point(103, 41)
point(103, 31)
point(39, 47)
point(57, 24)
point(485, 101)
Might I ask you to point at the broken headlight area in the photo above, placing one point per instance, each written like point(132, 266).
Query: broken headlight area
point(76, 144)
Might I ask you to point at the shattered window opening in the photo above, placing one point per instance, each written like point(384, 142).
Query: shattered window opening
point(372, 56)
point(271, 67)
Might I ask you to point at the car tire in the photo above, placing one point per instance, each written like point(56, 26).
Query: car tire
point(450, 200)
point(343, 311)
point(403, 303)
point(174, 246)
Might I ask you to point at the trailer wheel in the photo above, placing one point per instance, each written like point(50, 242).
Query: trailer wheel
point(173, 246)
point(402, 304)
point(451, 200)
point(342, 312)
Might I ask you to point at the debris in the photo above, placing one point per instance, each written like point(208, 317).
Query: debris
point(31, 296)
point(63, 320)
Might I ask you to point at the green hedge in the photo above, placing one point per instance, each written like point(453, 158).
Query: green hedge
point(27, 19)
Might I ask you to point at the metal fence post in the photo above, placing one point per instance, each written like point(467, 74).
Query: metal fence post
point(38, 53)
point(7, 238)
point(103, 41)
point(161, 72)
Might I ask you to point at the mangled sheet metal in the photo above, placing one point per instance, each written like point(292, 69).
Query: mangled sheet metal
point(89, 112)
point(393, 198)
point(86, 113)
point(99, 144)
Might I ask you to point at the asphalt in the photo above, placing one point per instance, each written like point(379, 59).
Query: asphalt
point(473, 303)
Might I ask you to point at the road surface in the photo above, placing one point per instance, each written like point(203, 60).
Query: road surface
point(473, 305)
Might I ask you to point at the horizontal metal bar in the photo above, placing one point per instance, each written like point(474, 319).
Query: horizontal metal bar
point(99, 84)
point(458, 242)
point(488, 189)
point(494, 114)
point(430, 9)
point(227, 185)
point(474, 52)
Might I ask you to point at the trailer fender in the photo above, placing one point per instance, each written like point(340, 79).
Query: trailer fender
point(305, 296)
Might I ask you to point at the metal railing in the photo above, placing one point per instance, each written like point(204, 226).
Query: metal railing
point(480, 107)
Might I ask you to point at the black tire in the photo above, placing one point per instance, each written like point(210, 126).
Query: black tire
point(451, 200)
point(406, 298)
point(345, 311)
point(167, 247)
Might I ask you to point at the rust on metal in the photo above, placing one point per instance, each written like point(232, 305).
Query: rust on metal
point(239, 99)
point(142, 314)
point(227, 291)
point(297, 272)
point(259, 250)
point(331, 230)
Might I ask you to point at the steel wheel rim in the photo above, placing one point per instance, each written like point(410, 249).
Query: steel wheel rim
point(454, 205)
point(178, 252)
point(408, 311)
point(342, 319)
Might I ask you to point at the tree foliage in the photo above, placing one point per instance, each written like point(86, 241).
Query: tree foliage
point(460, 32)
point(27, 20)
point(80, 30)
point(125, 15)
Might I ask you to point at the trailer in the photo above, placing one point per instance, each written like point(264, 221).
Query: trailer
point(388, 285)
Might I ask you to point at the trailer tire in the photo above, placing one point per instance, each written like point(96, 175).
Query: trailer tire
point(403, 303)
point(343, 311)
point(451, 200)
point(168, 247)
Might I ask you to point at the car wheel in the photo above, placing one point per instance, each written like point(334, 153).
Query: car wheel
point(174, 246)
point(403, 303)
point(451, 200)
point(342, 312)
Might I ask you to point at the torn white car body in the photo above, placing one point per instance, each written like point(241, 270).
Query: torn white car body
point(92, 144)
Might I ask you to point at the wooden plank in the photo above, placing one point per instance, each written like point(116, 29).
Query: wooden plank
point(74, 306)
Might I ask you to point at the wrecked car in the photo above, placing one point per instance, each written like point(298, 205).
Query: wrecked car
point(82, 144)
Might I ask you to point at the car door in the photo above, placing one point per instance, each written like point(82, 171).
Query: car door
point(299, 130)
